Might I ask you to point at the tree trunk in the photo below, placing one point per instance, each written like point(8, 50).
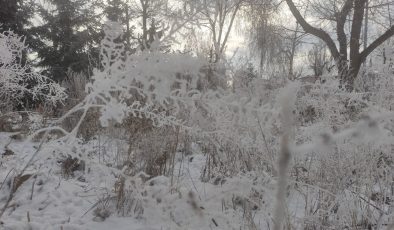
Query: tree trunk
point(128, 30)
point(348, 74)
point(292, 53)
point(144, 5)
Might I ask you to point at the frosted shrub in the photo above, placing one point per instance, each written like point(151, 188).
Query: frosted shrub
point(338, 162)
point(146, 84)
point(245, 128)
point(18, 80)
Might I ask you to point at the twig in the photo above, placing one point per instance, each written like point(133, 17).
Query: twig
point(194, 185)
point(214, 221)
point(100, 200)
point(5, 179)
point(91, 208)
point(368, 202)
point(32, 187)
point(173, 156)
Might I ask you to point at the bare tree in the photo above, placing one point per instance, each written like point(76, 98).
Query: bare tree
point(294, 40)
point(318, 59)
point(275, 44)
point(145, 21)
point(218, 16)
point(348, 63)
point(265, 37)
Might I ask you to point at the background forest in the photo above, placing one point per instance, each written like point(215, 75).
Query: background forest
point(196, 114)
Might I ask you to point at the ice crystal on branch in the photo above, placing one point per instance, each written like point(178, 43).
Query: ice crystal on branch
point(18, 80)
point(148, 84)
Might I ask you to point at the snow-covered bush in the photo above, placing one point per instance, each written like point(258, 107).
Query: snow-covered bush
point(338, 156)
point(341, 148)
point(245, 124)
point(18, 80)
point(148, 84)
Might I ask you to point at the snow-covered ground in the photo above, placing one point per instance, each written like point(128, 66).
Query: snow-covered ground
point(49, 199)
point(93, 198)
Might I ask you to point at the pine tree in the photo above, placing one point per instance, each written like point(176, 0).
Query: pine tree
point(69, 37)
point(120, 11)
point(9, 16)
point(15, 16)
point(114, 10)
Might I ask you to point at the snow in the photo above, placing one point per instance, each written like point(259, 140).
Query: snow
point(69, 203)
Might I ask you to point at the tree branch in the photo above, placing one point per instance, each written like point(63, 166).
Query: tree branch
point(312, 30)
point(229, 28)
point(376, 43)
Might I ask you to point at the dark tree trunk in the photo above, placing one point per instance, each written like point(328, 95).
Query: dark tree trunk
point(128, 29)
point(348, 64)
point(348, 74)
point(144, 5)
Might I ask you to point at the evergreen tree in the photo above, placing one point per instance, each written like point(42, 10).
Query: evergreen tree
point(69, 37)
point(114, 10)
point(120, 11)
point(15, 15)
point(11, 17)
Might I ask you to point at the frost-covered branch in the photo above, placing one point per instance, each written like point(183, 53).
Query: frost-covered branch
point(18, 80)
